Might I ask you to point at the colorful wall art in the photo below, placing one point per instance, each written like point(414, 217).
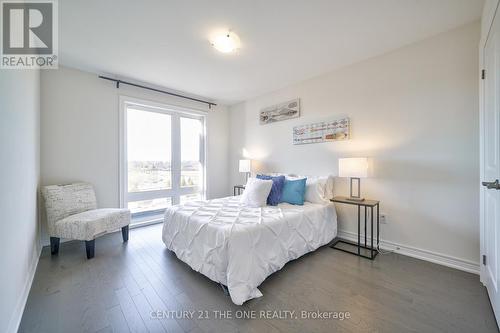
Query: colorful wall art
point(325, 131)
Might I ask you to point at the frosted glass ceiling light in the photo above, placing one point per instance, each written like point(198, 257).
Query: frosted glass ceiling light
point(226, 43)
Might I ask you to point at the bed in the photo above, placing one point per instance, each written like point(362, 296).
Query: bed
point(239, 246)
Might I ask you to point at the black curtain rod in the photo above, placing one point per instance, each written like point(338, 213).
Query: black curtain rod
point(118, 82)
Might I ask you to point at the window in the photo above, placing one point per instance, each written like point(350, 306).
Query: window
point(191, 166)
point(162, 157)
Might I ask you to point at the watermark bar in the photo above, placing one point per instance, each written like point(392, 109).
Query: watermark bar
point(250, 314)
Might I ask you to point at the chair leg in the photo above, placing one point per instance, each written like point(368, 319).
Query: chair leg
point(90, 247)
point(125, 233)
point(54, 245)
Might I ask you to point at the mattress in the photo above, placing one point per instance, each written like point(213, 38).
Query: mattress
point(240, 246)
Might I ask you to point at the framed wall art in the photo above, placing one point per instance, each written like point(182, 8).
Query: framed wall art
point(325, 131)
point(279, 112)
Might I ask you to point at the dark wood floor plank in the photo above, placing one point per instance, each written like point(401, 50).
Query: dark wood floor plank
point(157, 264)
point(159, 284)
point(117, 320)
point(117, 290)
point(132, 316)
point(169, 323)
point(145, 309)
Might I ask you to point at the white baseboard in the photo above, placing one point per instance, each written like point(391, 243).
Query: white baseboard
point(17, 315)
point(437, 258)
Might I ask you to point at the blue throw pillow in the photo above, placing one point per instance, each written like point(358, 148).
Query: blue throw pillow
point(274, 196)
point(294, 191)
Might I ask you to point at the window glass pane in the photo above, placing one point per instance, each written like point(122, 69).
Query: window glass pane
point(190, 197)
point(191, 168)
point(138, 207)
point(148, 151)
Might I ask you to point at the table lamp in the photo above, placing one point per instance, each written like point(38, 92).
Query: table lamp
point(354, 168)
point(246, 167)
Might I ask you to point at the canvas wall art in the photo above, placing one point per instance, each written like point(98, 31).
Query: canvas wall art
point(279, 112)
point(334, 130)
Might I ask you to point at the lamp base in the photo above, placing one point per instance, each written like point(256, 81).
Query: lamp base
point(357, 197)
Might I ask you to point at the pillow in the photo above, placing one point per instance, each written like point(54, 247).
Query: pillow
point(294, 191)
point(275, 174)
point(329, 187)
point(275, 195)
point(256, 192)
point(318, 189)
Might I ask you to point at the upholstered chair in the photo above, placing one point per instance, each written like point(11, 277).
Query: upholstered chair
point(72, 213)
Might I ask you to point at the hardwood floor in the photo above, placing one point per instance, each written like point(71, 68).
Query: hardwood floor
point(118, 289)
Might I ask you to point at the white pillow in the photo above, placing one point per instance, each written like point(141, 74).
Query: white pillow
point(318, 189)
point(275, 174)
point(329, 187)
point(256, 192)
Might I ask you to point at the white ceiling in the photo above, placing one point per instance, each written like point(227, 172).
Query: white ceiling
point(283, 41)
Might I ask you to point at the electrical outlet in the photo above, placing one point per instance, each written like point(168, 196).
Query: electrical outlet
point(383, 218)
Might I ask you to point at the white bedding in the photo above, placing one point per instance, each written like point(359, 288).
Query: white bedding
point(240, 246)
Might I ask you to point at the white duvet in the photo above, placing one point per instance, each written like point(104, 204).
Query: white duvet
point(240, 246)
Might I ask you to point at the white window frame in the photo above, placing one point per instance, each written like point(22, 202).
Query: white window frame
point(176, 112)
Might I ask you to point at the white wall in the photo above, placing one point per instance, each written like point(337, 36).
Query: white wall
point(415, 112)
point(19, 179)
point(80, 133)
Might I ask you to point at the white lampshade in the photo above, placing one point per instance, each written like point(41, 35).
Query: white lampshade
point(355, 167)
point(245, 165)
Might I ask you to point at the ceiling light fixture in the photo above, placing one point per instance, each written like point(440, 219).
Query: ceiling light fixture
point(226, 43)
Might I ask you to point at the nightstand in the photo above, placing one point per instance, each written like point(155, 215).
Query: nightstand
point(369, 248)
point(238, 188)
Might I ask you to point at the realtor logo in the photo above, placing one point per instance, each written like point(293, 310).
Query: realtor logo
point(29, 34)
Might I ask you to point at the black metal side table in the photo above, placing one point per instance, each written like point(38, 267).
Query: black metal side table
point(373, 251)
point(238, 188)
